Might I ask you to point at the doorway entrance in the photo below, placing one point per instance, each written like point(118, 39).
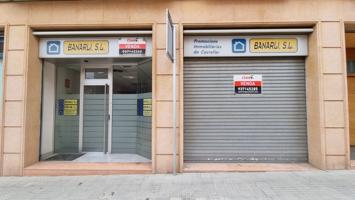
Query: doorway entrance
point(350, 59)
point(351, 97)
point(97, 110)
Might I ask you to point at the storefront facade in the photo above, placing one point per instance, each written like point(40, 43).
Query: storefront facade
point(293, 116)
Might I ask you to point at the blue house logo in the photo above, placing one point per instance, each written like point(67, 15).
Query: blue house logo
point(239, 45)
point(53, 47)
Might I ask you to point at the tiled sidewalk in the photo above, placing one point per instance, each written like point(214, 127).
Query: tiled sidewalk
point(310, 185)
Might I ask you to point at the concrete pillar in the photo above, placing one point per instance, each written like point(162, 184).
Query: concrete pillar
point(333, 62)
point(164, 106)
point(14, 92)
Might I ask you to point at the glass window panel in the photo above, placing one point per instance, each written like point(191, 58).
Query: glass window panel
point(1, 66)
point(67, 110)
point(0, 83)
point(131, 123)
point(351, 66)
point(96, 73)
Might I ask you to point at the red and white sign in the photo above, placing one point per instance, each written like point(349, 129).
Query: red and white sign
point(132, 46)
point(248, 84)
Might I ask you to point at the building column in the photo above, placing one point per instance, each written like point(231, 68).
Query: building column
point(164, 105)
point(334, 89)
point(13, 129)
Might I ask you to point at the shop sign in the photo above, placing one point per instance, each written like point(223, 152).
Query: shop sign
point(248, 84)
point(132, 46)
point(68, 107)
point(83, 47)
point(245, 46)
point(147, 107)
point(273, 45)
point(144, 107)
point(170, 35)
point(96, 47)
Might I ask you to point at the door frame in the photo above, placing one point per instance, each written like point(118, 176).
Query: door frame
point(92, 82)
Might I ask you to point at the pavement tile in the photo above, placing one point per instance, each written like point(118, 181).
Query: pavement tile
point(309, 185)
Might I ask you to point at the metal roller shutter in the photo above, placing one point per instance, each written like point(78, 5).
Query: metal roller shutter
point(220, 126)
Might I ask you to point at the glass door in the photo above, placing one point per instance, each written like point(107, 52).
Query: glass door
point(95, 118)
point(95, 110)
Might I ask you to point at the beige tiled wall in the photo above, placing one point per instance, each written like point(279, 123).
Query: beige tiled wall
point(164, 88)
point(328, 126)
point(14, 100)
point(334, 92)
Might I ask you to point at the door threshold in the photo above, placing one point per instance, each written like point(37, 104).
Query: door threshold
point(68, 168)
point(246, 167)
point(98, 157)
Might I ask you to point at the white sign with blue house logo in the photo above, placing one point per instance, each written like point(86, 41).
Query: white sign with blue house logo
point(245, 46)
point(53, 47)
point(95, 47)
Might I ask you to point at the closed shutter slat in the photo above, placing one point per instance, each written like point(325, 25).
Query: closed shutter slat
point(220, 126)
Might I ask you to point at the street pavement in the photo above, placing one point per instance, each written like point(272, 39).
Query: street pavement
point(309, 185)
